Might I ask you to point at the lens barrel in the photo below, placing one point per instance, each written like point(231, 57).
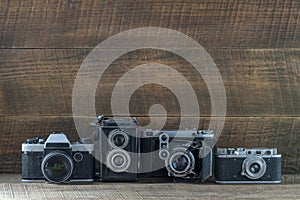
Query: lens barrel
point(57, 167)
point(180, 162)
point(254, 167)
point(118, 139)
point(118, 160)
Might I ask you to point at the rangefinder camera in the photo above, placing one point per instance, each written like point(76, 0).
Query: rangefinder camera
point(183, 156)
point(56, 160)
point(239, 165)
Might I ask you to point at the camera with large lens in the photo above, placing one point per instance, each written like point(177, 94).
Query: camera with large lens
point(117, 149)
point(180, 155)
point(56, 160)
point(239, 165)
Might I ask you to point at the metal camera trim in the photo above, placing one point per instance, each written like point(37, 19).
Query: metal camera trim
point(51, 155)
point(163, 145)
point(75, 159)
point(244, 152)
point(111, 165)
point(115, 132)
point(163, 154)
point(164, 134)
point(181, 152)
point(247, 164)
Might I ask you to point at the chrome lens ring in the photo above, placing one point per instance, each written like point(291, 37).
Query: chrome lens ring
point(57, 167)
point(183, 154)
point(118, 160)
point(164, 154)
point(254, 167)
point(118, 135)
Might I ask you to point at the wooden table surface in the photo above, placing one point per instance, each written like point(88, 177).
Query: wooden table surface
point(12, 188)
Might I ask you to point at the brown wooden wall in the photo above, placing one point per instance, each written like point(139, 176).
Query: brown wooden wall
point(255, 44)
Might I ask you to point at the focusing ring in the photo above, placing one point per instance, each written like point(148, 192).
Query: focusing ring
point(178, 152)
point(113, 154)
point(248, 162)
point(115, 133)
point(62, 157)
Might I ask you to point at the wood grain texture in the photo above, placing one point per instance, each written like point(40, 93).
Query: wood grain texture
point(11, 188)
point(282, 133)
point(216, 23)
point(255, 45)
point(258, 82)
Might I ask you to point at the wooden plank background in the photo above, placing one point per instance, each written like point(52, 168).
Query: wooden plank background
point(255, 44)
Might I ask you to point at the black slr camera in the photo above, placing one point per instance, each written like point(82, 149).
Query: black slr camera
point(180, 155)
point(117, 149)
point(239, 165)
point(57, 160)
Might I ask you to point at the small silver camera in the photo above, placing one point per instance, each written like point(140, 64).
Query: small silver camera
point(239, 165)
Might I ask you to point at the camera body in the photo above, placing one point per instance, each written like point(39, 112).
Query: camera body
point(239, 165)
point(180, 155)
point(57, 160)
point(125, 154)
point(117, 150)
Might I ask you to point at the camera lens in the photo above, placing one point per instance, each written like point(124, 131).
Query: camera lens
point(57, 167)
point(254, 167)
point(180, 163)
point(118, 160)
point(118, 138)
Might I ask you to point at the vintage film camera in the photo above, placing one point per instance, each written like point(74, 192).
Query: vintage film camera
point(239, 165)
point(57, 160)
point(180, 155)
point(117, 147)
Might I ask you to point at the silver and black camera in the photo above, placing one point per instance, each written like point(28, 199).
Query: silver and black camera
point(57, 160)
point(180, 155)
point(117, 149)
point(239, 165)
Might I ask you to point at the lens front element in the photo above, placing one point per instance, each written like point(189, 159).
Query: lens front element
point(118, 139)
point(118, 160)
point(57, 167)
point(180, 163)
point(254, 167)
